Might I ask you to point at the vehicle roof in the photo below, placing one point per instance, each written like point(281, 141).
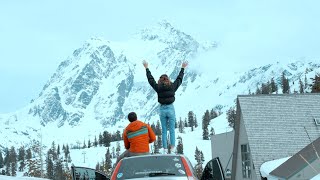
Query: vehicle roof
point(153, 155)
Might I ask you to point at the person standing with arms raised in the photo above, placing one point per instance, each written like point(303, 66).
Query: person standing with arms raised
point(166, 96)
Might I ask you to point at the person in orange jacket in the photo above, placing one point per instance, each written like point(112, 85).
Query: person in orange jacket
point(136, 136)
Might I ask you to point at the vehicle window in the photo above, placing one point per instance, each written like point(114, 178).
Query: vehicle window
point(151, 166)
point(81, 173)
point(213, 170)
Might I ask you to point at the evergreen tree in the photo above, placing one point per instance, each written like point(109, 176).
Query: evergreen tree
point(84, 144)
point(34, 168)
point(156, 147)
point(95, 143)
point(29, 154)
point(22, 166)
point(63, 148)
point(197, 155)
point(212, 131)
point(199, 170)
point(206, 119)
point(13, 160)
point(301, 87)
point(89, 144)
point(21, 158)
point(103, 167)
point(205, 134)
point(264, 89)
point(106, 138)
point(100, 140)
point(153, 127)
point(8, 167)
point(118, 149)
point(58, 151)
point(69, 158)
point(65, 151)
point(49, 168)
point(285, 84)
point(159, 143)
point(1, 160)
point(185, 123)
point(158, 129)
point(213, 114)
point(231, 116)
point(258, 90)
point(191, 119)
point(305, 80)
point(53, 151)
point(315, 86)
point(195, 121)
point(58, 170)
point(118, 136)
point(180, 146)
point(108, 163)
point(98, 166)
point(21, 154)
point(181, 127)
point(205, 124)
point(113, 153)
point(67, 173)
point(273, 86)
point(6, 156)
point(201, 157)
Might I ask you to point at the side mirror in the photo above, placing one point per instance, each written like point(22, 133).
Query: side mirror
point(213, 170)
point(83, 173)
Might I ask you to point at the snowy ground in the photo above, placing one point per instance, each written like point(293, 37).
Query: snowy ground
point(19, 178)
point(89, 157)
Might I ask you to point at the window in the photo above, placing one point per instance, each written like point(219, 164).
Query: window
point(246, 161)
point(82, 173)
point(147, 166)
point(317, 121)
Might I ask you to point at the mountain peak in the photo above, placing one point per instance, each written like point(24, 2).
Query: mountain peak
point(163, 31)
point(164, 24)
point(95, 42)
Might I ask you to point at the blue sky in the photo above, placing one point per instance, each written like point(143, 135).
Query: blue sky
point(37, 35)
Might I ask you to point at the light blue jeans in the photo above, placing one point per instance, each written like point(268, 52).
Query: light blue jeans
point(167, 118)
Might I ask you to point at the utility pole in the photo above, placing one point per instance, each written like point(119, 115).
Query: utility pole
point(78, 144)
point(41, 161)
point(84, 156)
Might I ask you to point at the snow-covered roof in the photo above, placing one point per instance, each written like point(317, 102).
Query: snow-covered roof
point(269, 166)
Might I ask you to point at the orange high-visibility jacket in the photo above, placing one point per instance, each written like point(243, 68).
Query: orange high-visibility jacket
point(137, 137)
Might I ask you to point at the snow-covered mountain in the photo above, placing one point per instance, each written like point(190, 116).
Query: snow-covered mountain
point(100, 83)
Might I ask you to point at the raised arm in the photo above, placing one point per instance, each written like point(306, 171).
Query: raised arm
point(178, 80)
point(151, 80)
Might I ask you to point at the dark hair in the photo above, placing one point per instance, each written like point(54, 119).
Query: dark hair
point(164, 79)
point(132, 116)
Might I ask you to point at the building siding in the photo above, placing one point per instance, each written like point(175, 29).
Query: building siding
point(222, 147)
point(275, 125)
